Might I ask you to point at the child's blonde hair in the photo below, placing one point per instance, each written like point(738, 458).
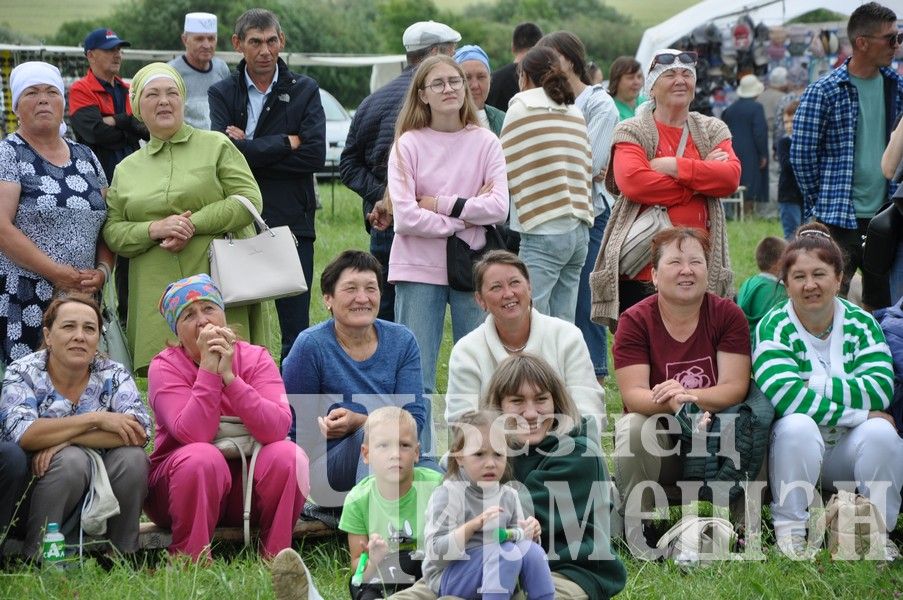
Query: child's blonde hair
point(468, 422)
point(388, 415)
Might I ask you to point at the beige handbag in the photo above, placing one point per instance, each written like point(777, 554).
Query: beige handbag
point(636, 252)
point(263, 267)
point(235, 441)
point(855, 527)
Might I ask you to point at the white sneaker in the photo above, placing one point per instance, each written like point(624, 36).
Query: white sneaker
point(687, 559)
point(891, 552)
point(793, 545)
point(289, 575)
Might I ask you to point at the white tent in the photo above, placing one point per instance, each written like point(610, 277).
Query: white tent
point(770, 12)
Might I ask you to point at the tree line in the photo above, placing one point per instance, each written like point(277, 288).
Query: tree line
point(367, 27)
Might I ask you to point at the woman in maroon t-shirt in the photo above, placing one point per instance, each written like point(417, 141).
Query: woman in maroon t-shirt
point(681, 349)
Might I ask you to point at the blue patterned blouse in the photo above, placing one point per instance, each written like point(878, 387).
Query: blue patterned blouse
point(28, 394)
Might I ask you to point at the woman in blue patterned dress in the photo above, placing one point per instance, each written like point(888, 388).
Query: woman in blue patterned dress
point(51, 211)
point(61, 401)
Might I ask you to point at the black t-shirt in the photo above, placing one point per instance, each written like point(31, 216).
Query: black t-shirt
point(503, 86)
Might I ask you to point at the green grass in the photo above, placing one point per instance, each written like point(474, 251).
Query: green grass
point(240, 574)
point(42, 18)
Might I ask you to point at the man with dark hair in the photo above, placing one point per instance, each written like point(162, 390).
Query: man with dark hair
point(363, 166)
point(275, 118)
point(504, 79)
point(840, 131)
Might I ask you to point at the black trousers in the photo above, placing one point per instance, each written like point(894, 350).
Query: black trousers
point(850, 242)
point(294, 311)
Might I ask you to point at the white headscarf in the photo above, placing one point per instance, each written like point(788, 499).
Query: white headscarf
point(656, 69)
point(32, 73)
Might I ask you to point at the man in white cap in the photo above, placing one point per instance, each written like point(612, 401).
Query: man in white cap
point(199, 67)
point(366, 154)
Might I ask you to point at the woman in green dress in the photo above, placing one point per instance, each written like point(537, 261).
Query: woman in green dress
point(167, 202)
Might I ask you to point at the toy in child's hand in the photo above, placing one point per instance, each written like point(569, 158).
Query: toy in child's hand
point(358, 578)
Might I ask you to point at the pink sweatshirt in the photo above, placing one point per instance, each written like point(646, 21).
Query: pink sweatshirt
point(449, 166)
point(187, 401)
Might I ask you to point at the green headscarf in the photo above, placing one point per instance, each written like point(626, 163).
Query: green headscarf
point(147, 74)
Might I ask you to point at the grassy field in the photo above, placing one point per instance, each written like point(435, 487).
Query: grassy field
point(42, 18)
point(240, 574)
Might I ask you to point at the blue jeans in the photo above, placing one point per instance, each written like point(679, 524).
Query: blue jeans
point(595, 335)
point(493, 566)
point(791, 218)
point(380, 247)
point(421, 308)
point(554, 263)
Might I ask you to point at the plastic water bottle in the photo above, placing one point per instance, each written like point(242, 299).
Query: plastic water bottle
point(54, 546)
point(514, 534)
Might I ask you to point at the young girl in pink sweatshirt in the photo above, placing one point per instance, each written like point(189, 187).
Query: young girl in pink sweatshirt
point(446, 177)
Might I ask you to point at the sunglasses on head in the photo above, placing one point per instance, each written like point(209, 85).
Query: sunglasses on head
point(666, 58)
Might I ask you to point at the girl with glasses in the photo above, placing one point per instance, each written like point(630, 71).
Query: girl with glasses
point(446, 178)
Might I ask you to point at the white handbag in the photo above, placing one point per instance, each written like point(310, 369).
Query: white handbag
point(263, 267)
point(695, 538)
point(235, 441)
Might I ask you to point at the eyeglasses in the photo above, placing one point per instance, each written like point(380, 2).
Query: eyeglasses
point(438, 86)
point(666, 58)
point(813, 233)
point(892, 39)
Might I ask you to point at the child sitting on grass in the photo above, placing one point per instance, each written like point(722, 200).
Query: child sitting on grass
point(478, 543)
point(382, 514)
point(760, 293)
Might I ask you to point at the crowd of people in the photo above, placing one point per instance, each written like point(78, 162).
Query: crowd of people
point(570, 207)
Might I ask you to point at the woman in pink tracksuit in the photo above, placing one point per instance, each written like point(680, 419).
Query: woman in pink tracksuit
point(192, 487)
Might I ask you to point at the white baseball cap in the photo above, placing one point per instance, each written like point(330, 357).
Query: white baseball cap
point(424, 34)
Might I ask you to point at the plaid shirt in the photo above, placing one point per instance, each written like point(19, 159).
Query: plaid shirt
point(824, 132)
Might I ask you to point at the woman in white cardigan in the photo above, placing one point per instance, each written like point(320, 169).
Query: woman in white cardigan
point(513, 326)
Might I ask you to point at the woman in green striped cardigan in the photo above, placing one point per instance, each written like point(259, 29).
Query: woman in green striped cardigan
point(824, 364)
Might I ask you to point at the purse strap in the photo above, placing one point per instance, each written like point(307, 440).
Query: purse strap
point(684, 136)
point(253, 210)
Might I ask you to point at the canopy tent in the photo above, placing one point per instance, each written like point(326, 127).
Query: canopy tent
point(770, 12)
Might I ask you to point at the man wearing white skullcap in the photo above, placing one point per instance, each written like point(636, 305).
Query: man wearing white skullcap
point(199, 67)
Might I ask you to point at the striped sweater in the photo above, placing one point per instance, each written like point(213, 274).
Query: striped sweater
point(789, 372)
point(549, 161)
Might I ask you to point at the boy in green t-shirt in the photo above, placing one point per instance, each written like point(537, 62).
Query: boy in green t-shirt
point(760, 293)
point(383, 514)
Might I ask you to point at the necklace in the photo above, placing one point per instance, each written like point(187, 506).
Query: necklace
point(514, 350)
point(826, 332)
